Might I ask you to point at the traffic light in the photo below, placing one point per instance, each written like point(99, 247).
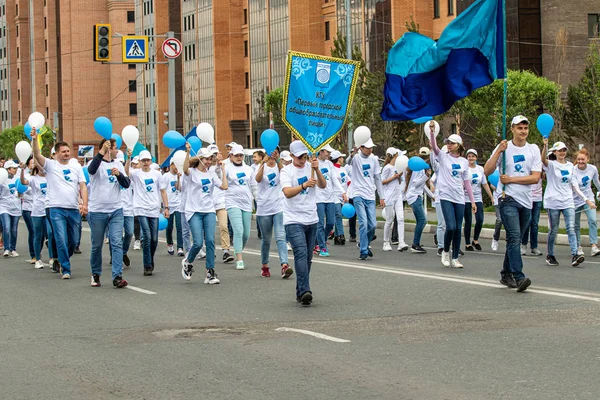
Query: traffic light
point(102, 42)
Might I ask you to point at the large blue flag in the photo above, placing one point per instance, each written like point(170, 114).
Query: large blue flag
point(425, 78)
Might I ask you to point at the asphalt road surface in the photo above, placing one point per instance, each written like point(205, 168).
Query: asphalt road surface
point(398, 326)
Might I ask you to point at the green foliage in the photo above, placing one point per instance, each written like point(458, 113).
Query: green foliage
point(273, 103)
point(11, 136)
point(412, 26)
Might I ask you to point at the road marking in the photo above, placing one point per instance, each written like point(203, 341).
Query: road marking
point(315, 334)
point(137, 289)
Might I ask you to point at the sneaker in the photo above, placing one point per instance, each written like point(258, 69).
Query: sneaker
point(369, 252)
point(460, 252)
point(14, 254)
point(580, 251)
point(180, 252)
point(137, 245)
point(39, 264)
point(286, 271)
point(494, 245)
point(306, 299)
point(227, 257)
point(6, 253)
point(201, 254)
point(469, 247)
point(264, 272)
point(66, 276)
point(316, 249)
point(445, 258)
point(337, 241)
point(577, 260)
point(416, 248)
point(126, 260)
point(523, 284)
point(523, 250)
point(239, 265)
point(170, 250)
point(342, 240)
point(456, 264)
point(595, 251)
point(77, 250)
point(402, 247)
point(323, 252)
point(95, 280)
point(147, 271)
point(435, 241)
point(440, 251)
point(55, 266)
point(508, 281)
point(352, 239)
point(536, 252)
point(119, 282)
point(387, 246)
point(211, 277)
point(394, 242)
point(105, 240)
point(551, 260)
point(289, 246)
point(362, 257)
point(331, 235)
point(186, 269)
point(477, 246)
point(32, 261)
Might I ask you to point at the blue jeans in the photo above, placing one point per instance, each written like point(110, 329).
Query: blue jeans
point(65, 225)
point(441, 225)
point(98, 222)
point(533, 227)
point(515, 218)
point(176, 219)
point(202, 226)
point(469, 220)
point(453, 215)
point(39, 234)
point(326, 211)
point(367, 222)
point(149, 232)
point(128, 224)
point(78, 240)
point(592, 224)
point(267, 223)
point(420, 217)
point(240, 223)
point(339, 222)
point(554, 220)
point(302, 239)
point(52, 251)
point(186, 234)
point(10, 230)
point(31, 233)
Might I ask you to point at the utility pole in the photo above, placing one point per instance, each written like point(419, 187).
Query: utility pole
point(172, 98)
point(349, 57)
point(32, 56)
point(152, 124)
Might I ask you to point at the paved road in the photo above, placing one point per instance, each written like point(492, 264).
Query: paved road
point(410, 329)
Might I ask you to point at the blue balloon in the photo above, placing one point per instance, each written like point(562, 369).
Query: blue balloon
point(87, 175)
point(103, 127)
point(173, 140)
point(494, 178)
point(348, 210)
point(195, 143)
point(118, 139)
point(20, 187)
point(269, 140)
point(27, 129)
point(417, 164)
point(162, 222)
point(545, 123)
point(422, 120)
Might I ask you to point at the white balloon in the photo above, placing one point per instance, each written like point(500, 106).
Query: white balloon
point(401, 164)
point(178, 159)
point(130, 135)
point(384, 214)
point(23, 150)
point(206, 132)
point(428, 130)
point(3, 176)
point(36, 120)
point(361, 135)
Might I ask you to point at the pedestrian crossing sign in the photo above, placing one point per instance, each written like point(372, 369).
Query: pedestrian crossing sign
point(135, 49)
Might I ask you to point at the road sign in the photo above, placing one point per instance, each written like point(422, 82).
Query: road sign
point(171, 48)
point(135, 49)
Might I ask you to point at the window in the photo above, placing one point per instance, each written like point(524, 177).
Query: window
point(327, 32)
point(132, 109)
point(46, 67)
point(245, 48)
point(130, 16)
point(450, 7)
point(132, 86)
point(17, 52)
point(45, 23)
point(18, 73)
point(46, 90)
point(45, 44)
point(19, 95)
point(248, 111)
point(593, 25)
point(17, 30)
point(245, 16)
point(131, 66)
point(436, 8)
point(17, 13)
point(247, 77)
point(47, 113)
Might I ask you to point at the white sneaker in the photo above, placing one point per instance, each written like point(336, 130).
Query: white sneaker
point(14, 254)
point(186, 270)
point(595, 251)
point(523, 250)
point(289, 246)
point(494, 245)
point(580, 251)
point(387, 246)
point(6, 253)
point(170, 249)
point(456, 264)
point(39, 264)
point(137, 245)
point(239, 265)
point(403, 247)
point(445, 259)
point(201, 254)
point(66, 276)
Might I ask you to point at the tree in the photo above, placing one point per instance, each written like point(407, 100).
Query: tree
point(273, 104)
point(11, 136)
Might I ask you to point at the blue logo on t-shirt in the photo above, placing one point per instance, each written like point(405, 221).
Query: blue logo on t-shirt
point(343, 176)
point(111, 178)
point(43, 187)
point(205, 185)
point(585, 181)
point(271, 177)
point(565, 175)
point(366, 168)
point(66, 174)
point(324, 171)
point(173, 188)
point(13, 188)
point(149, 185)
point(474, 180)
point(301, 181)
point(455, 170)
point(519, 158)
point(241, 180)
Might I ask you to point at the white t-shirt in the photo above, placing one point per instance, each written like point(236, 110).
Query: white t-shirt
point(364, 171)
point(559, 189)
point(27, 197)
point(241, 181)
point(269, 195)
point(341, 174)
point(302, 208)
point(418, 179)
point(9, 198)
point(520, 161)
point(537, 192)
point(199, 187)
point(105, 190)
point(453, 171)
point(63, 184)
point(127, 200)
point(477, 178)
point(218, 194)
point(174, 195)
point(391, 191)
point(326, 195)
point(39, 187)
point(585, 178)
point(146, 192)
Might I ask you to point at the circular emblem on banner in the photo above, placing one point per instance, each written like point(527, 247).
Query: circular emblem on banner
point(323, 75)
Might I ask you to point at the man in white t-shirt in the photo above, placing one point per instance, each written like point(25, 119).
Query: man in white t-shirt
point(523, 168)
point(300, 214)
point(66, 184)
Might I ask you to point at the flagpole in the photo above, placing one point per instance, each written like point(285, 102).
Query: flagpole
point(505, 90)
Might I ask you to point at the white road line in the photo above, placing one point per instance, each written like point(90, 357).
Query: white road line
point(315, 334)
point(137, 289)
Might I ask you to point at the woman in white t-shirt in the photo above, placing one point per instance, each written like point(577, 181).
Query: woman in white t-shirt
point(393, 187)
point(38, 186)
point(269, 213)
point(200, 212)
point(586, 174)
point(26, 206)
point(558, 198)
point(452, 183)
point(478, 181)
point(10, 209)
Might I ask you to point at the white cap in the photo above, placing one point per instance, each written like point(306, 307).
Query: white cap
point(285, 155)
point(424, 151)
point(473, 151)
point(206, 153)
point(213, 148)
point(369, 144)
point(336, 154)
point(231, 144)
point(328, 148)
point(556, 147)
point(518, 119)
point(120, 156)
point(10, 164)
point(297, 148)
point(144, 155)
point(236, 149)
point(154, 166)
point(454, 138)
point(135, 160)
point(392, 151)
